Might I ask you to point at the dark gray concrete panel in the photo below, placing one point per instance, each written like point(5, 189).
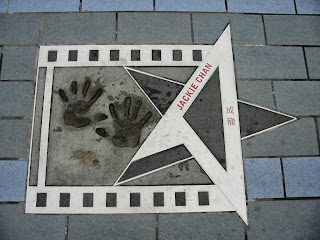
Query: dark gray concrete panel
point(19, 28)
point(258, 92)
point(289, 219)
point(313, 61)
point(292, 30)
point(270, 62)
point(154, 28)
point(16, 98)
point(246, 29)
point(15, 224)
point(79, 28)
point(201, 226)
point(14, 138)
point(296, 138)
point(19, 63)
point(299, 98)
point(98, 227)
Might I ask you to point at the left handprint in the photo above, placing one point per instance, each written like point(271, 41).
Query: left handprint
point(76, 106)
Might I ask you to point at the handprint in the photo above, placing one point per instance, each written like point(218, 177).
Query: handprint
point(77, 107)
point(127, 127)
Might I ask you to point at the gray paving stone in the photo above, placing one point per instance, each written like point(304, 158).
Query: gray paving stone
point(97, 227)
point(3, 5)
point(308, 6)
point(296, 138)
point(119, 5)
point(14, 224)
point(201, 226)
point(14, 138)
point(292, 30)
point(19, 63)
point(289, 219)
point(16, 98)
point(19, 28)
point(44, 6)
point(154, 28)
point(298, 97)
point(79, 28)
point(261, 6)
point(264, 178)
point(270, 62)
point(302, 177)
point(246, 29)
point(12, 180)
point(189, 5)
point(258, 92)
point(313, 62)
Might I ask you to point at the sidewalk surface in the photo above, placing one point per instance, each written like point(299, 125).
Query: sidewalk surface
point(276, 48)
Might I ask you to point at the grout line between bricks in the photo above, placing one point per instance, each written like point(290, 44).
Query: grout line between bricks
point(317, 132)
point(305, 61)
point(281, 199)
point(157, 226)
point(226, 4)
point(7, 7)
point(245, 231)
point(1, 57)
point(191, 24)
point(283, 156)
point(283, 179)
point(80, 6)
point(279, 80)
point(274, 96)
point(264, 31)
point(12, 159)
point(117, 26)
point(154, 5)
point(66, 230)
point(295, 6)
point(15, 118)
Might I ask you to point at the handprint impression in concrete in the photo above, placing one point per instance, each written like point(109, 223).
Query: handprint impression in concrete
point(75, 114)
point(127, 127)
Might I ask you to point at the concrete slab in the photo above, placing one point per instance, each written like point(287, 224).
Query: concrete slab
point(13, 180)
point(302, 176)
point(308, 6)
point(154, 28)
point(79, 28)
point(260, 6)
point(35, 227)
point(269, 62)
point(44, 6)
point(292, 30)
point(19, 63)
point(16, 98)
point(258, 92)
point(264, 178)
point(313, 62)
point(97, 227)
point(3, 5)
point(14, 138)
point(122, 5)
point(246, 29)
point(296, 138)
point(298, 97)
point(201, 226)
point(19, 28)
point(191, 6)
point(295, 219)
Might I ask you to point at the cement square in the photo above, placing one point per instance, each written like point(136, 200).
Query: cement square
point(200, 226)
point(44, 6)
point(308, 6)
point(246, 29)
point(154, 28)
point(3, 5)
point(260, 6)
point(79, 28)
point(191, 6)
point(19, 28)
point(17, 225)
point(264, 178)
point(16, 98)
point(288, 219)
point(298, 97)
point(97, 227)
point(257, 62)
point(13, 180)
point(302, 177)
point(15, 136)
point(19, 63)
point(313, 62)
point(292, 30)
point(120, 5)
